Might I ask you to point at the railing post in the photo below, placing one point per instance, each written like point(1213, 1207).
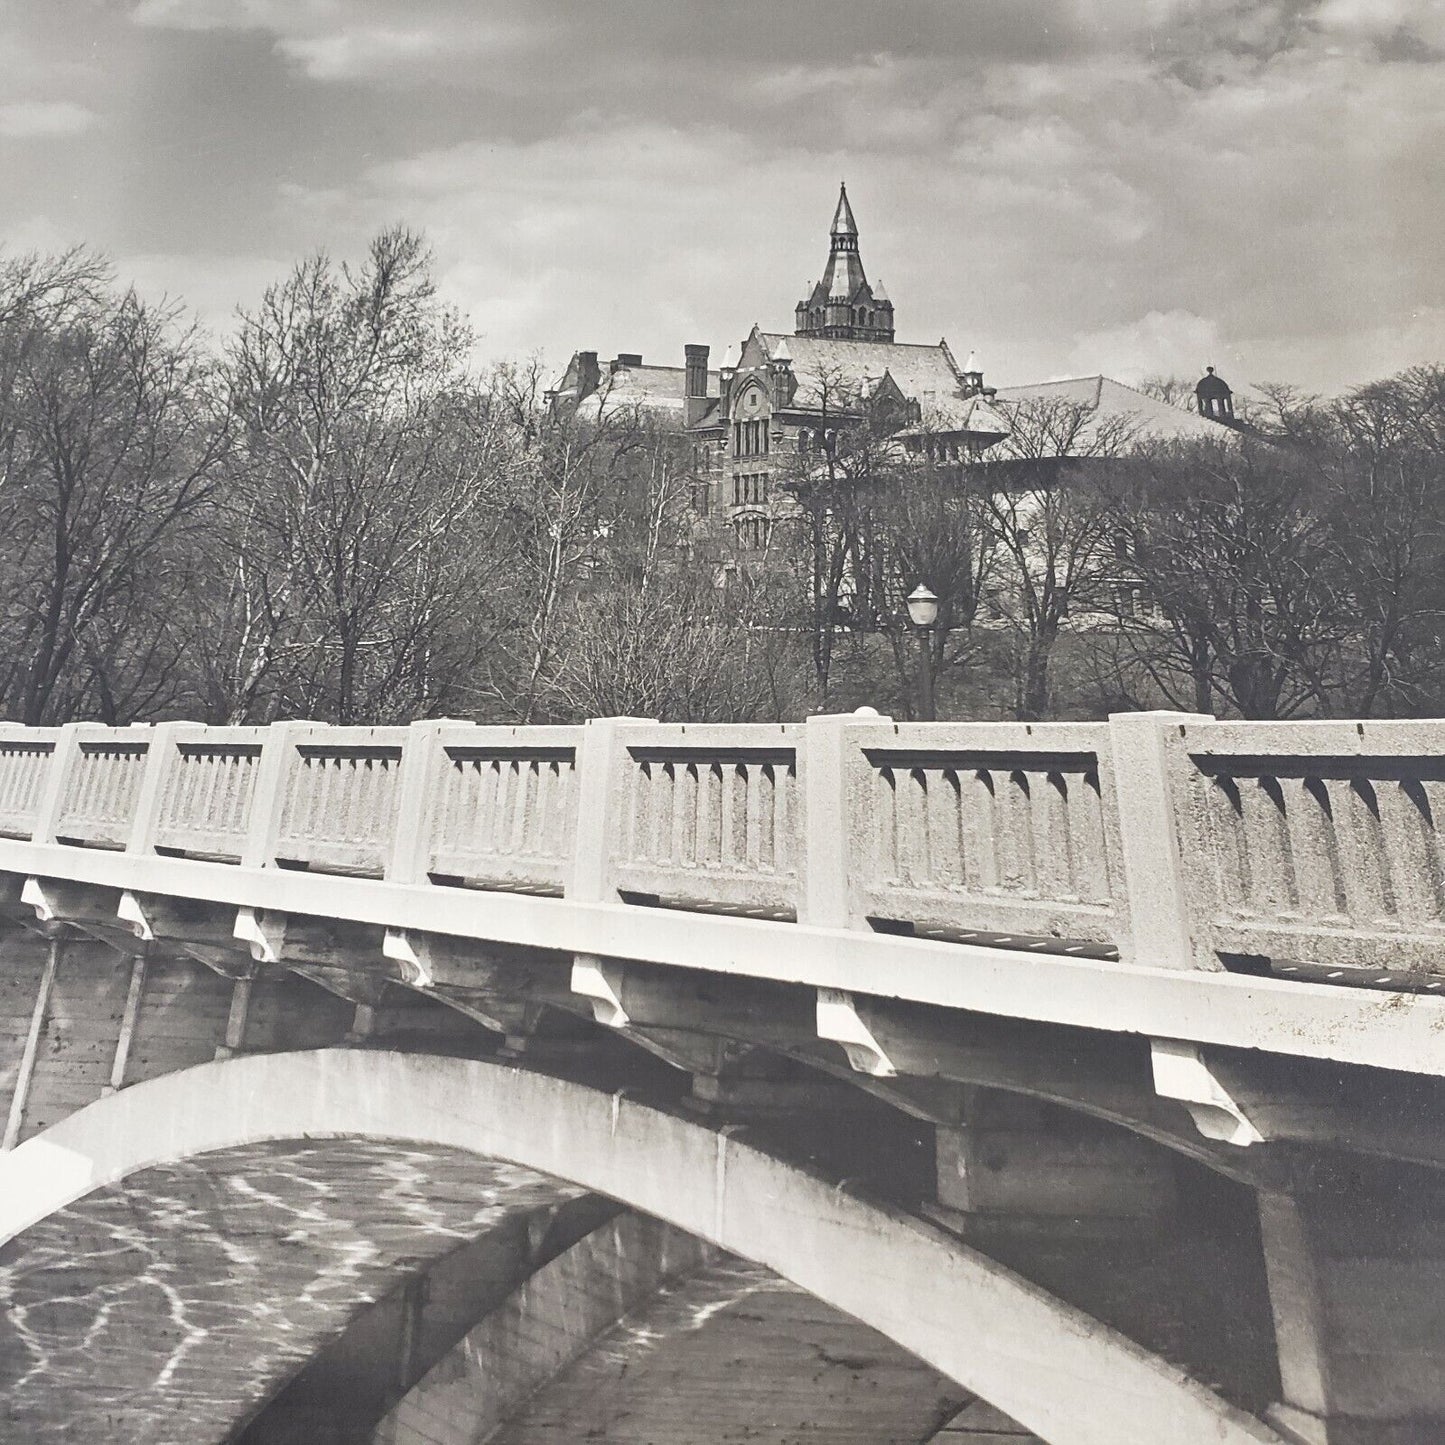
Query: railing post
point(162, 753)
point(831, 781)
point(1151, 771)
point(419, 790)
point(258, 850)
point(268, 795)
point(62, 762)
point(601, 800)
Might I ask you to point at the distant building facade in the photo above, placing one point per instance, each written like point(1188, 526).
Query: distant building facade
point(779, 397)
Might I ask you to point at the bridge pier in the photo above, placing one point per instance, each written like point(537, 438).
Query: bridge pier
point(1357, 1282)
point(1074, 1204)
point(1145, 1241)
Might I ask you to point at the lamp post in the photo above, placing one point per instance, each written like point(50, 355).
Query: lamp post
point(923, 614)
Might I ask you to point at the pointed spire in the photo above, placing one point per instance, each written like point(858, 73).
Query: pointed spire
point(782, 352)
point(843, 305)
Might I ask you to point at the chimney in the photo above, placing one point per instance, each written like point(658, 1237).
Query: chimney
point(726, 372)
point(694, 390)
point(785, 384)
point(626, 361)
point(589, 376)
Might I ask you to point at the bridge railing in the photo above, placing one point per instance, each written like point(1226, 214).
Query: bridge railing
point(1317, 843)
point(1000, 832)
point(24, 767)
point(1164, 839)
point(711, 818)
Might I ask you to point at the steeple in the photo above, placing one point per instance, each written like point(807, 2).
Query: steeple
point(843, 305)
point(844, 226)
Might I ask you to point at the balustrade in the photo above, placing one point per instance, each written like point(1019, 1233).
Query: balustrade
point(1162, 839)
point(997, 832)
point(24, 765)
point(711, 818)
point(1319, 843)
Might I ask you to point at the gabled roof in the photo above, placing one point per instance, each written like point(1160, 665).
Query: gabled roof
point(1111, 402)
point(822, 363)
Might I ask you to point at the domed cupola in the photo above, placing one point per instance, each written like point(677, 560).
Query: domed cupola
point(1213, 398)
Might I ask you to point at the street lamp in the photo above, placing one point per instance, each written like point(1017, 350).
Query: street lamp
point(923, 614)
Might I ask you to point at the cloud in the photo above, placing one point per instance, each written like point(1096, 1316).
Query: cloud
point(1160, 343)
point(1126, 185)
point(349, 40)
point(35, 119)
point(235, 14)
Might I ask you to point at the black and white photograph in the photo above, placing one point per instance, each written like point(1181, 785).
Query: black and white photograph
point(722, 722)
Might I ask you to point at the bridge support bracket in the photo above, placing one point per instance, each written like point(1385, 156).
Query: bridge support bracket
point(1182, 1072)
point(840, 1022)
point(131, 912)
point(600, 983)
point(412, 954)
point(264, 932)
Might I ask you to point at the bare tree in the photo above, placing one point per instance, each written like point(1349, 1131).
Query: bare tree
point(594, 501)
point(1226, 546)
point(111, 444)
point(357, 483)
point(1050, 487)
point(1383, 455)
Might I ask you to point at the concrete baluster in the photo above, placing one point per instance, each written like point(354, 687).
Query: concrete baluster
point(1151, 769)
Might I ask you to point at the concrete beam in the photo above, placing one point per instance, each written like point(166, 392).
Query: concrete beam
point(1400, 1031)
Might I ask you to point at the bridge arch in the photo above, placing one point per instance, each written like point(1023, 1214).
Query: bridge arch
point(1055, 1370)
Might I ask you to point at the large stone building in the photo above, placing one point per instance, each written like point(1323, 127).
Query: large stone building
point(779, 397)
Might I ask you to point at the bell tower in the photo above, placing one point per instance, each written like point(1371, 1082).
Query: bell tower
point(843, 305)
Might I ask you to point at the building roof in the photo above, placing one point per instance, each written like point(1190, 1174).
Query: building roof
point(655, 388)
point(843, 222)
point(1112, 403)
point(944, 415)
point(922, 373)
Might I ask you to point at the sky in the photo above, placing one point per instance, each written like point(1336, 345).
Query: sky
point(1136, 187)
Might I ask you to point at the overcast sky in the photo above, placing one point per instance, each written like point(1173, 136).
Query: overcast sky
point(1069, 186)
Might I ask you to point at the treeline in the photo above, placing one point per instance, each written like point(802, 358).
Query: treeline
point(1294, 567)
point(329, 516)
point(333, 515)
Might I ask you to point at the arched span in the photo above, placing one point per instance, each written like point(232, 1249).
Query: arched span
point(1055, 1370)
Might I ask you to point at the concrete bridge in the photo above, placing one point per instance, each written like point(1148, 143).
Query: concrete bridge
point(846, 1080)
